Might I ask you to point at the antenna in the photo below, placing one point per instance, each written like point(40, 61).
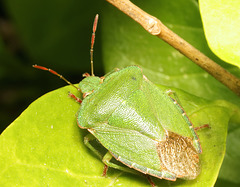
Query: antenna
point(55, 73)
point(91, 57)
point(92, 42)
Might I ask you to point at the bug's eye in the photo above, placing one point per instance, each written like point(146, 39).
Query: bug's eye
point(134, 78)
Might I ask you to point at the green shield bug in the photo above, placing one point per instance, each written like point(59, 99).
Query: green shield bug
point(137, 122)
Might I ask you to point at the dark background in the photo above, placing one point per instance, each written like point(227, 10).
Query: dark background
point(52, 33)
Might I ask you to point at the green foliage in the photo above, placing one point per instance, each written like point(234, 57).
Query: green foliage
point(128, 44)
point(221, 21)
point(44, 146)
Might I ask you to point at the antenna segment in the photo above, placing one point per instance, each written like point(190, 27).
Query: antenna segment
point(93, 41)
point(56, 73)
point(91, 56)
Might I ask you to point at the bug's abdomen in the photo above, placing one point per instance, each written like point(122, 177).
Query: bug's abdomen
point(178, 155)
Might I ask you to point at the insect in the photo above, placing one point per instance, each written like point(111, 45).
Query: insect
point(137, 122)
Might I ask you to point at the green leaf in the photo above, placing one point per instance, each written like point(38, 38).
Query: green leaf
point(127, 43)
point(44, 146)
point(230, 168)
point(221, 21)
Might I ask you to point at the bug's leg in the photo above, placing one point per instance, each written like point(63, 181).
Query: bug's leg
point(87, 93)
point(89, 138)
point(171, 92)
point(86, 75)
point(75, 98)
point(105, 170)
point(202, 127)
point(106, 158)
point(107, 161)
point(150, 181)
point(115, 70)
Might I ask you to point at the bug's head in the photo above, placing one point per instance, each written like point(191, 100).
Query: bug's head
point(90, 84)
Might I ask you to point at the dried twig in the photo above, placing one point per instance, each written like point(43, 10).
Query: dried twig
point(155, 27)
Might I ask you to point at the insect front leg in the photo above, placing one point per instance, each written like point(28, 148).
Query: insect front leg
point(75, 98)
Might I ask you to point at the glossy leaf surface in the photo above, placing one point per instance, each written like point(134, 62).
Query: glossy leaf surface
point(221, 21)
point(45, 145)
point(54, 40)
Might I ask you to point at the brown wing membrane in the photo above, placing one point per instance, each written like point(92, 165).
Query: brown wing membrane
point(178, 155)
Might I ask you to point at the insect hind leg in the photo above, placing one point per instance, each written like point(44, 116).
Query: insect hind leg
point(202, 127)
point(107, 161)
point(171, 92)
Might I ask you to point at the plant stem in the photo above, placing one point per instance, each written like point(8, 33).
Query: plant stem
point(155, 27)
